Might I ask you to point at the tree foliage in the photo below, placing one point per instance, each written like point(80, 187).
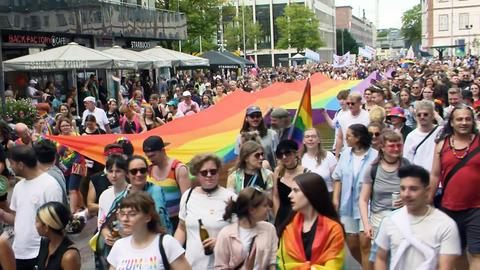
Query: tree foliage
point(298, 28)
point(349, 43)
point(412, 25)
point(233, 30)
point(202, 22)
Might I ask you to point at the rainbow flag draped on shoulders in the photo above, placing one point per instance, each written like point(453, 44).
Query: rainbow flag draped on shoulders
point(303, 116)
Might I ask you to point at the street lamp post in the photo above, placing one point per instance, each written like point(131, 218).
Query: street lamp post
point(469, 28)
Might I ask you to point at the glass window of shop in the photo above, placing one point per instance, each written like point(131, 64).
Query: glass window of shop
point(263, 18)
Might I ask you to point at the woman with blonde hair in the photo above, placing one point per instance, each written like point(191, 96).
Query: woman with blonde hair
point(132, 122)
point(317, 159)
point(150, 119)
point(57, 251)
point(249, 170)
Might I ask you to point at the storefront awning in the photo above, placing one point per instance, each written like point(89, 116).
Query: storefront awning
point(143, 60)
point(177, 58)
point(68, 57)
point(226, 60)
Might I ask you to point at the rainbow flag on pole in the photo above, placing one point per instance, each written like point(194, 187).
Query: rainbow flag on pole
point(303, 116)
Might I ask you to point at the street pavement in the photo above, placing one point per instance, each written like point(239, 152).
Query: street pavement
point(81, 242)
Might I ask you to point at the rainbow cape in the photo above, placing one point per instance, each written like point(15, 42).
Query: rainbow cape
point(215, 129)
point(303, 117)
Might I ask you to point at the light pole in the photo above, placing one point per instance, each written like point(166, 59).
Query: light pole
point(469, 28)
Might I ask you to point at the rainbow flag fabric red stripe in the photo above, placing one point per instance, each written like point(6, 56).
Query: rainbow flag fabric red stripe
point(303, 117)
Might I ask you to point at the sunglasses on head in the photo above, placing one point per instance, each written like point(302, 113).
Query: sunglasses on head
point(136, 170)
point(210, 172)
point(374, 134)
point(255, 115)
point(283, 154)
point(258, 155)
point(256, 189)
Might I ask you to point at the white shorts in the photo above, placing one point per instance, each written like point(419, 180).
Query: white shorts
point(352, 225)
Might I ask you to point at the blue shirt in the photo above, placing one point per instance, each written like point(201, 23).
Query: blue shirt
point(351, 184)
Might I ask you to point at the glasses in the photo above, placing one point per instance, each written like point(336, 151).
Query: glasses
point(395, 145)
point(351, 103)
point(258, 155)
point(415, 87)
point(137, 170)
point(255, 115)
point(374, 134)
point(130, 214)
point(206, 173)
point(422, 114)
point(283, 154)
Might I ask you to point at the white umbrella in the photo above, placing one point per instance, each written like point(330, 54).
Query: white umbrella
point(177, 58)
point(68, 57)
point(143, 60)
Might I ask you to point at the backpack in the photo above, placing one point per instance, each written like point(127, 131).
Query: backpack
point(165, 262)
point(374, 170)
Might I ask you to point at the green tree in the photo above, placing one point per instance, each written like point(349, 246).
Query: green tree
point(298, 28)
point(345, 42)
point(202, 22)
point(412, 25)
point(233, 30)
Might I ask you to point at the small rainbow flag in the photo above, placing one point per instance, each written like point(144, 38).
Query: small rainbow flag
point(303, 116)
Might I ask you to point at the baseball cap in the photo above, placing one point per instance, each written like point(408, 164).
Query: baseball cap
point(187, 94)
point(279, 113)
point(172, 103)
point(253, 109)
point(153, 143)
point(91, 99)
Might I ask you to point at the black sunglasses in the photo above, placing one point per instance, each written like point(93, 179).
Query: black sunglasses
point(136, 170)
point(351, 103)
point(255, 115)
point(286, 153)
point(374, 134)
point(258, 155)
point(210, 172)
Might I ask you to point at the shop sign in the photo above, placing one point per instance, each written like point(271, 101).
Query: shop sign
point(136, 44)
point(37, 39)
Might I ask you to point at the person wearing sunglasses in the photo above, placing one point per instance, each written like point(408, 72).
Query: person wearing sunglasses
point(289, 166)
point(268, 138)
point(312, 237)
point(381, 183)
point(249, 170)
point(250, 242)
point(347, 181)
point(419, 145)
point(206, 203)
point(375, 129)
point(396, 117)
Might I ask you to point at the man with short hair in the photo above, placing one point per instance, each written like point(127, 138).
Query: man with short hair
point(281, 122)
point(24, 134)
point(168, 173)
point(418, 236)
point(356, 116)
point(420, 143)
point(461, 201)
point(100, 115)
point(378, 97)
point(454, 98)
point(46, 152)
point(188, 106)
point(36, 189)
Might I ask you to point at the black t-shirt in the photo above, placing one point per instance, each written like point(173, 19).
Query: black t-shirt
point(113, 119)
point(250, 181)
point(307, 238)
point(96, 132)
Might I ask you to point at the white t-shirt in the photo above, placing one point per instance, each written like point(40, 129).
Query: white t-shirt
point(348, 119)
point(437, 230)
point(210, 209)
point(105, 202)
point(246, 236)
point(336, 125)
point(424, 154)
point(124, 256)
point(324, 169)
point(27, 197)
point(100, 116)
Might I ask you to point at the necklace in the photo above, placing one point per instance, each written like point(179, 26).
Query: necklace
point(293, 168)
point(455, 151)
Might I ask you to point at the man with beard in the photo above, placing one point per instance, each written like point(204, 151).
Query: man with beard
point(455, 167)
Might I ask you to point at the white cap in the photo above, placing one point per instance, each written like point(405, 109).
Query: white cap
point(32, 81)
point(187, 94)
point(91, 99)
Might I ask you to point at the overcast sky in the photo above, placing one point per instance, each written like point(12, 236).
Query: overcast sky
point(390, 11)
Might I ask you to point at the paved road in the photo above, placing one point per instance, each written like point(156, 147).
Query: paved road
point(81, 241)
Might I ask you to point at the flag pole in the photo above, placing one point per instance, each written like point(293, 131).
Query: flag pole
point(290, 133)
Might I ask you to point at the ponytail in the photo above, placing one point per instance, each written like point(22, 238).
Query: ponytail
point(230, 209)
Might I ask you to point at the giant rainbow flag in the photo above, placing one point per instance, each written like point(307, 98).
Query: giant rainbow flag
point(215, 129)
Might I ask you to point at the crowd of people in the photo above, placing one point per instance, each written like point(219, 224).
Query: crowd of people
point(395, 191)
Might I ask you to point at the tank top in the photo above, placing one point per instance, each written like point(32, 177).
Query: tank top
point(464, 186)
point(130, 127)
point(55, 261)
point(170, 188)
point(285, 206)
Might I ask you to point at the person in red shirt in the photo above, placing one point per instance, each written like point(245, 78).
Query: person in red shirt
point(460, 196)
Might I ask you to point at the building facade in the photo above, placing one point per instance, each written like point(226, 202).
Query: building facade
point(265, 12)
point(452, 24)
point(361, 29)
point(390, 43)
point(30, 26)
